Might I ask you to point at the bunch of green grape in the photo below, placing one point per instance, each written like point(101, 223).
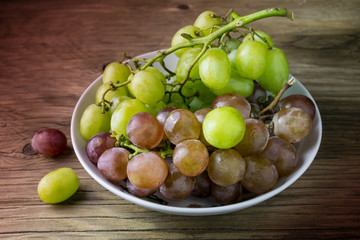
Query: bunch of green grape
point(205, 128)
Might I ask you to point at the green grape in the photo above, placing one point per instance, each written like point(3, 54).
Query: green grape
point(251, 59)
point(204, 97)
point(114, 97)
point(147, 87)
point(232, 44)
point(215, 68)
point(184, 64)
point(116, 100)
point(154, 109)
point(158, 73)
point(175, 100)
point(58, 185)
point(206, 20)
point(123, 113)
point(257, 38)
point(276, 71)
point(232, 58)
point(238, 85)
point(93, 121)
point(116, 73)
point(130, 78)
point(154, 71)
point(193, 31)
point(121, 91)
point(224, 127)
point(196, 103)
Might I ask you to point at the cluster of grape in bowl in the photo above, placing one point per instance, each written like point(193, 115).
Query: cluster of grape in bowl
point(204, 127)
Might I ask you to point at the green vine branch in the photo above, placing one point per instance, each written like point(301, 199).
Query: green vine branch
point(164, 148)
point(236, 21)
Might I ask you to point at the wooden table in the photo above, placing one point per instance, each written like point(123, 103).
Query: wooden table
point(50, 51)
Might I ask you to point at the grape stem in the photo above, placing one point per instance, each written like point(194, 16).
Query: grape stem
point(236, 22)
point(207, 40)
point(288, 84)
point(253, 33)
point(163, 152)
point(112, 88)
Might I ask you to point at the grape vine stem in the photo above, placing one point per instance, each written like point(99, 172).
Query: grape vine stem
point(288, 84)
point(238, 21)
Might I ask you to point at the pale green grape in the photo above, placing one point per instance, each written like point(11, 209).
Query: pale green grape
point(121, 91)
point(204, 97)
point(238, 85)
point(232, 44)
point(93, 121)
point(58, 185)
point(251, 59)
point(116, 100)
point(122, 114)
point(157, 73)
point(156, 108)
point(175, 100)
point(215, 68)
point(147, 87)
point(116, 73)
point(130, 78)
point(257, 38)
point(232, 58)
point(224, 127)
point(276, 71)
point(193, 31)
point(196, 103)
point(184, 64)
point(206, 20)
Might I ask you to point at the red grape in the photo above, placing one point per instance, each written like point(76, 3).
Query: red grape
point(49, 142)
point(99, 144)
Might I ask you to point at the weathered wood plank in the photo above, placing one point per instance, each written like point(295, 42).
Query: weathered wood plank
point(50, 51)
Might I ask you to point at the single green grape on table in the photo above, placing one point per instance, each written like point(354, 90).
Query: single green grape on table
point(58, 185)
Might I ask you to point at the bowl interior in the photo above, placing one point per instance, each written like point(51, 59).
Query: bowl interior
point(307, 150)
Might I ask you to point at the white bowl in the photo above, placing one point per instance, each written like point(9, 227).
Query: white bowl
point(307, 150)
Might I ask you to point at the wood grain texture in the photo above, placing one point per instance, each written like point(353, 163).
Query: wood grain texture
point(50, 51)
